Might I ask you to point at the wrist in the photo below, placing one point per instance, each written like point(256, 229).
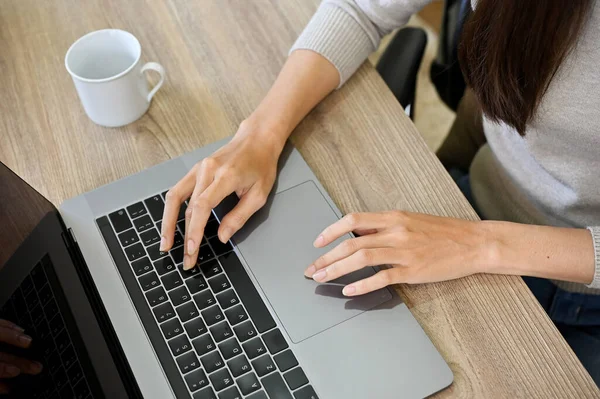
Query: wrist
point(270, 132)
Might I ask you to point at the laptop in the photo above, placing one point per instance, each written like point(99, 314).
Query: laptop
point(113, 317)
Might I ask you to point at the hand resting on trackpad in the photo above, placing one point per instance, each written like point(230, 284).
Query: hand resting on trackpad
point(276, 243)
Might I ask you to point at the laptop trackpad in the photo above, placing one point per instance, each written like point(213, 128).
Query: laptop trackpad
point(277, 245)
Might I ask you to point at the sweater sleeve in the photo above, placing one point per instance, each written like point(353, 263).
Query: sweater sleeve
point(345, 32)
point(596, 239)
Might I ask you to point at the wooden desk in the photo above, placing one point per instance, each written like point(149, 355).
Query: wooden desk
point(221, 56)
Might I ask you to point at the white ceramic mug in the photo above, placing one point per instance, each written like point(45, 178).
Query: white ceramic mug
point(106, 69)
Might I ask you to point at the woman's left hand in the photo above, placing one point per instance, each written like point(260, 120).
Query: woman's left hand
point(421, 248)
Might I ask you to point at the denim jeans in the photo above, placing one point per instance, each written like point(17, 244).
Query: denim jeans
point(577, 316)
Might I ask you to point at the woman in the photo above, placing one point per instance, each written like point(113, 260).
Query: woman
point(533, 67)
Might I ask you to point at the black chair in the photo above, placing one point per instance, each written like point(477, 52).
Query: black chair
point(399, 65)
point(400, 62)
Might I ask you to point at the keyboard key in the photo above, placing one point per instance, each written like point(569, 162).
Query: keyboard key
point(164, 312)
point(204, 254)
point(136, 210)
point(56, 325)
point(219, 283)
point(275, 386)
point(194, 271)
point(134, 252)
point(248, 294)
point(128, 237)
point(254, 348)
point(213, 361)
point(204, 344)
point(245, 331)
point(75, 373)
point(182, 209)
point(177, 239)
point(159, 225)
point(181, 226)
point(45, 294)
point(81, 390)
point(120, 220)
point(177, 254)
point(179, 296)
point(286, 360)
point(211, 229)
point(230, 348)
point(164, 266)
point(154, 252)
point(212, 315)
point(149, 237)
point(172, 280)
point(248, 383)
point(258, 395)
point(68, 357)
point(66, 391)
point(211, 268)
point(230, 393)
point(179, 345)
point(196, 380)
point(171, 328)
point(221, 331)
point(274, 341)
point(196, 283)
point(141, 266)
point(143, 223)
point(239, 365)
point(156, 296)
point(195, 328)
point(187, 312)
point(236, 315)
point(50, 309)
point(188, 362)
point(206, 393)
point(227, 299)
point(219, 247)
point(155, 206)
point(62, 341)
point(306, 393)
point(221, 380)
point(204, 299)
point(149, 281)
point(27, 285)
point(263, 365)
point(37, 315)
point(295, 378)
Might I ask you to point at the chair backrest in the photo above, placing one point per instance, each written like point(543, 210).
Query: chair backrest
point(445, 70)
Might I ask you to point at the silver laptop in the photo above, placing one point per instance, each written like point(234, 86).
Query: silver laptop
point(245, 322)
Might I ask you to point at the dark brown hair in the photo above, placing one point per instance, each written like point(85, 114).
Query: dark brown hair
point(511, 49)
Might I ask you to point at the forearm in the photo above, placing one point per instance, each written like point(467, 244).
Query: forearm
point(305, 80)
point(540, 251)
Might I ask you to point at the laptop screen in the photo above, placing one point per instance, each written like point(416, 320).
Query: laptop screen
point(33, 298)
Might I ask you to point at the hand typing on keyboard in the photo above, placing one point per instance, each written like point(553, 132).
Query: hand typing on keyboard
point(10, 365)
point(247, 166)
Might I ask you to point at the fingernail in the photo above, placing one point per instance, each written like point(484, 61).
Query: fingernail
point(37, 367)
point(310, 271)
point(319, 241)
point(186, 262)
point(12, 370)
point(24, 339)
point(163, 243)
point(320, 275)
point(191, 247)
point(17, 328)
point(349, 290)
point(226, 235)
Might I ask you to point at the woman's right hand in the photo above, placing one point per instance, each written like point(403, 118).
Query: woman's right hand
point(10, 365)
point(247, 165)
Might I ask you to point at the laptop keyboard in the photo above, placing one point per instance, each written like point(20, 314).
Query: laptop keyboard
point(218, 331)
point(34, 307)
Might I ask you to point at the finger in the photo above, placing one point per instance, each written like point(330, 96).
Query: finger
point(202, 205)
point(8, 370)
point(24, 365)
point(10, 324)
point(249, 203)
point(14, 337)
point(346, 249)
point(358, 260)
point(379, 280)
point(350, 223)
point(174, 198)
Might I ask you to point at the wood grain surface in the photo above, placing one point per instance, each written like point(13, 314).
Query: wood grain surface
point(221, 57)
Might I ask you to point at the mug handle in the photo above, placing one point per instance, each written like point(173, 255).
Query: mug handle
point(154, 66)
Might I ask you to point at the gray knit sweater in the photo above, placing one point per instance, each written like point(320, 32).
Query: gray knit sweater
point(549, 177)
